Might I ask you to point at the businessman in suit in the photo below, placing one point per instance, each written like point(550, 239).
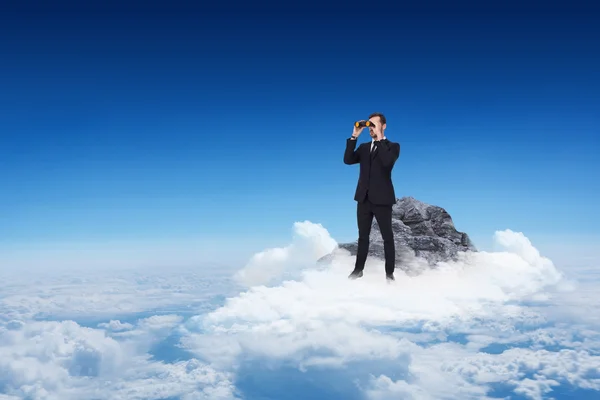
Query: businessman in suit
point(375, 194)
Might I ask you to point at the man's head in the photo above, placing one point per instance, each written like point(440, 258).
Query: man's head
point(378, 119)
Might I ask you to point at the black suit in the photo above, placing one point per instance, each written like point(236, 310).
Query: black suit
point(374, 195)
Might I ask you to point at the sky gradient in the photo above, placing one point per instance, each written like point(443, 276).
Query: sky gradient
point(127, 124)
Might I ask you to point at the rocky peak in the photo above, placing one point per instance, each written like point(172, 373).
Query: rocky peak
point(422, 232)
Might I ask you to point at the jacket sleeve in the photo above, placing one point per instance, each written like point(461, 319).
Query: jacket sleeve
point(388, 152)
point(351, 156)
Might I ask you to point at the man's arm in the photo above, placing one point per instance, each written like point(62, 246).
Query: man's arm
point(388, 152)
point(351, 156)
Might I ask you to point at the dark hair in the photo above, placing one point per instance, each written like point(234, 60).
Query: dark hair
point(380, 115)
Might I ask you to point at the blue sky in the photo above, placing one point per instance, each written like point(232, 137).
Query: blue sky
point(167, 124)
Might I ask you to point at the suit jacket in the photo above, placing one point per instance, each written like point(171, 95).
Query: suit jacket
point(375, 175)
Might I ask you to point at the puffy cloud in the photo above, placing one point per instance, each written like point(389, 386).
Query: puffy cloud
point(424, 327)
point(310, 242)
point(507, 318)
point(451, 371)
point(38, 358)
point(100, 354)
point(63, 360)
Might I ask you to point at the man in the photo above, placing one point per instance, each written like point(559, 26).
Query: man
point(375, 193)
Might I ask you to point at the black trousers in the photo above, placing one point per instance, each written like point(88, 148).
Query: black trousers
point(365, 211)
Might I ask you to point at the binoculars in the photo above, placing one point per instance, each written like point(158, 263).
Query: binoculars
point(363, 123)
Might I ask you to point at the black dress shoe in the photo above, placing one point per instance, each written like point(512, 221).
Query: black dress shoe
point(390, 277)
point(355, 274)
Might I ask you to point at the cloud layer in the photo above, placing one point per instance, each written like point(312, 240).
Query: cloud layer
point(489, 325)
point(99, 333)
point(63, 360)
point(439, 332)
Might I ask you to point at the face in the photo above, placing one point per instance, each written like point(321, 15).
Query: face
point(378, 128)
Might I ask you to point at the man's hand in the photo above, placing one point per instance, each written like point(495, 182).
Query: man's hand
point(357, 131)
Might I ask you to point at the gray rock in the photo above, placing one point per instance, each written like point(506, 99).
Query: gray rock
point(423, 234)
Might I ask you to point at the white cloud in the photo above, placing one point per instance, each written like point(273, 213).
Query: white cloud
point(115, 326)
point(454, 332)
point(323, 320)
point(106, 293)
point(310, 242)
point(62, 360)
point(452, 371)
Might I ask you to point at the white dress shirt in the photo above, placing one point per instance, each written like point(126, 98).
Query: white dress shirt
point(373, 142)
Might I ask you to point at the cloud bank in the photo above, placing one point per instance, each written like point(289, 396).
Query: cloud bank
point(490, 325)
point(310, 242)
point(466, 329)
point(63, 360)
point(106, 334)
